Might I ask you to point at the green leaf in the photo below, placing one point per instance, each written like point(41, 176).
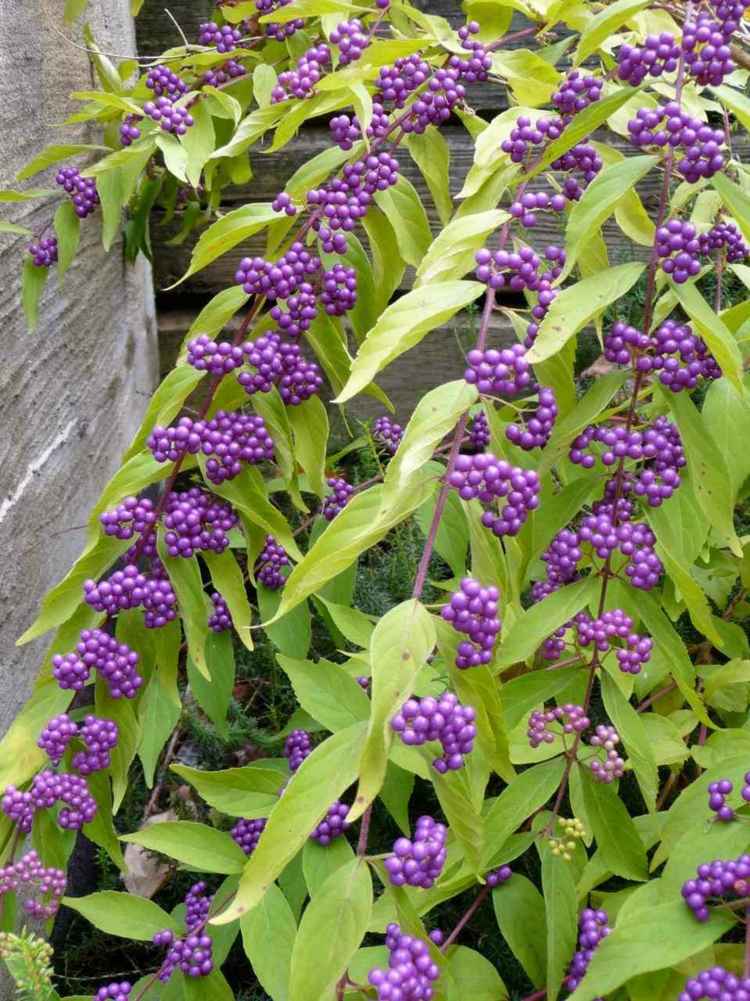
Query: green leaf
point(403, 325)
point(523, 694)
point(247, 494)
point(160, 706)
point(353, 624)
point(726, 416)
point(308, 8)
point(432, 155)
point(197, 845)
point(321, 778)
point(519, 910)
point(123, 914)
point(388, 265)
point(165, 404)
point(268, 934)
point(11, 227)
point(108, 100)
point(599, 201)
point(473, 976)
point(344, 903)
point(228, 580)
point(454, 795)
point(33, 280)
point(616, 837)
point(309, 423)
point(54, 154)
point(533, 626)
point(735, 199)
point(451, 254)
point(222, 104)
point(29, 195)
point(629, 726)
point(185, 577)
point(326, 692)
point(365, 312)
point(321, 861)
point(68, 231)
point(560, 907)
point(400, 645)
point(290, 632)
point(251, 791)
point(604, 24)
point(720, 340)
point(525, 794)
point(250, 129)
point(404, 210)
point(198, 142)
point(233, 228)
point(214, 693)
point(577, 305)
point(74, 9)
point(652, 938)
point(174, 153)
point(218, 312)
point(530, 77)
point(116, 188)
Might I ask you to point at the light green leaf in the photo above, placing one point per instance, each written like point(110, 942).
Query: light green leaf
point(251, 791)
point(616, 837)
point(160, 706)
point(455, 798)
point(196, 845)
point(308, 8)
point(68, 232)
point(309, 423)
point(290, 632)
point(533, 626)
point(403, 325)
point(123, 914)
point(185, 577)
point(400, 645)
point(604, 24)
point(577, 305)
point(11, 227)
point(222, 104)
point(387, 263)
point(353, 624)
point(652, 938)
point(29, 195)
point(451, 254)
point(214, 693)
point(431, 154)
point(227, 232)
point(247, 494)
point(721, 342)
point(228, 580)
point(198, 142)
point(474, 977)
point(250, 129)
point(558, 887)
point(344, 902)
point(598, 202)
point(321, 861)
point(525, 794)
point(403, 207)
point(629, 725)
point(268, 934)
point(107, 100)
point(174, 153)
point(519, 909)
point(33, 280)
point(54, 154)
point(531, 78)
point(321, 778)
point(165, 404)
point(326, 692)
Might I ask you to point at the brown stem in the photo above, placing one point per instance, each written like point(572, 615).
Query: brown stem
point(364, 832)
point(656, 696)
point(720, 263)
point(462, 922)
point(537, 995)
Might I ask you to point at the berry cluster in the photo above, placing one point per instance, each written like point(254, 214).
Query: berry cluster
point(443, 719)
point(297, 747)
point(44, 251)
point(332, 825)
point(476, 68)
point(336, 501)
point(633, 539)
point(351, 40)
point(133, 515)
point(217, 358)
point(572, 717)
point(584, 159)
point(339, 290)
point(247, 834)
point(418, 862)
point(47, 790)
point(564, 844)
point(82, 190)
point(725, 235)
point(270, 562)
point(679, 248)
point(436, 103)
point(282, 365)
point(717, 799)
point(395, 83)
point(196, 520)
point(473, 610)
point(99, 736)
point(229, 70)
point(613, 766)
point(624, 345)
point(114, 992)
point(345, 200)
point(494, 372)
point(659, 55)
point(525, 136)
point(223, 39)
point(48, 885)
point(115, 662)
point(228, 439)
point(524, 209)
point(545, 292)
point(165, 83)
point(576, 92)
point(169, 116)
point(489, 478)
point(507, 269)
point(388, 434)
point(193, 952)
point(716, 880)
point(410, 974)
point(670, 126)
point(716, 983)
point(277, 29)
point(681, 357)
point(479, 431)
point(536, 430)
point(593, 926)
point(220, 619)
point(496, 877)
point(300, 82)
point(610, 625)
point(56, 735)
point(705, 47)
